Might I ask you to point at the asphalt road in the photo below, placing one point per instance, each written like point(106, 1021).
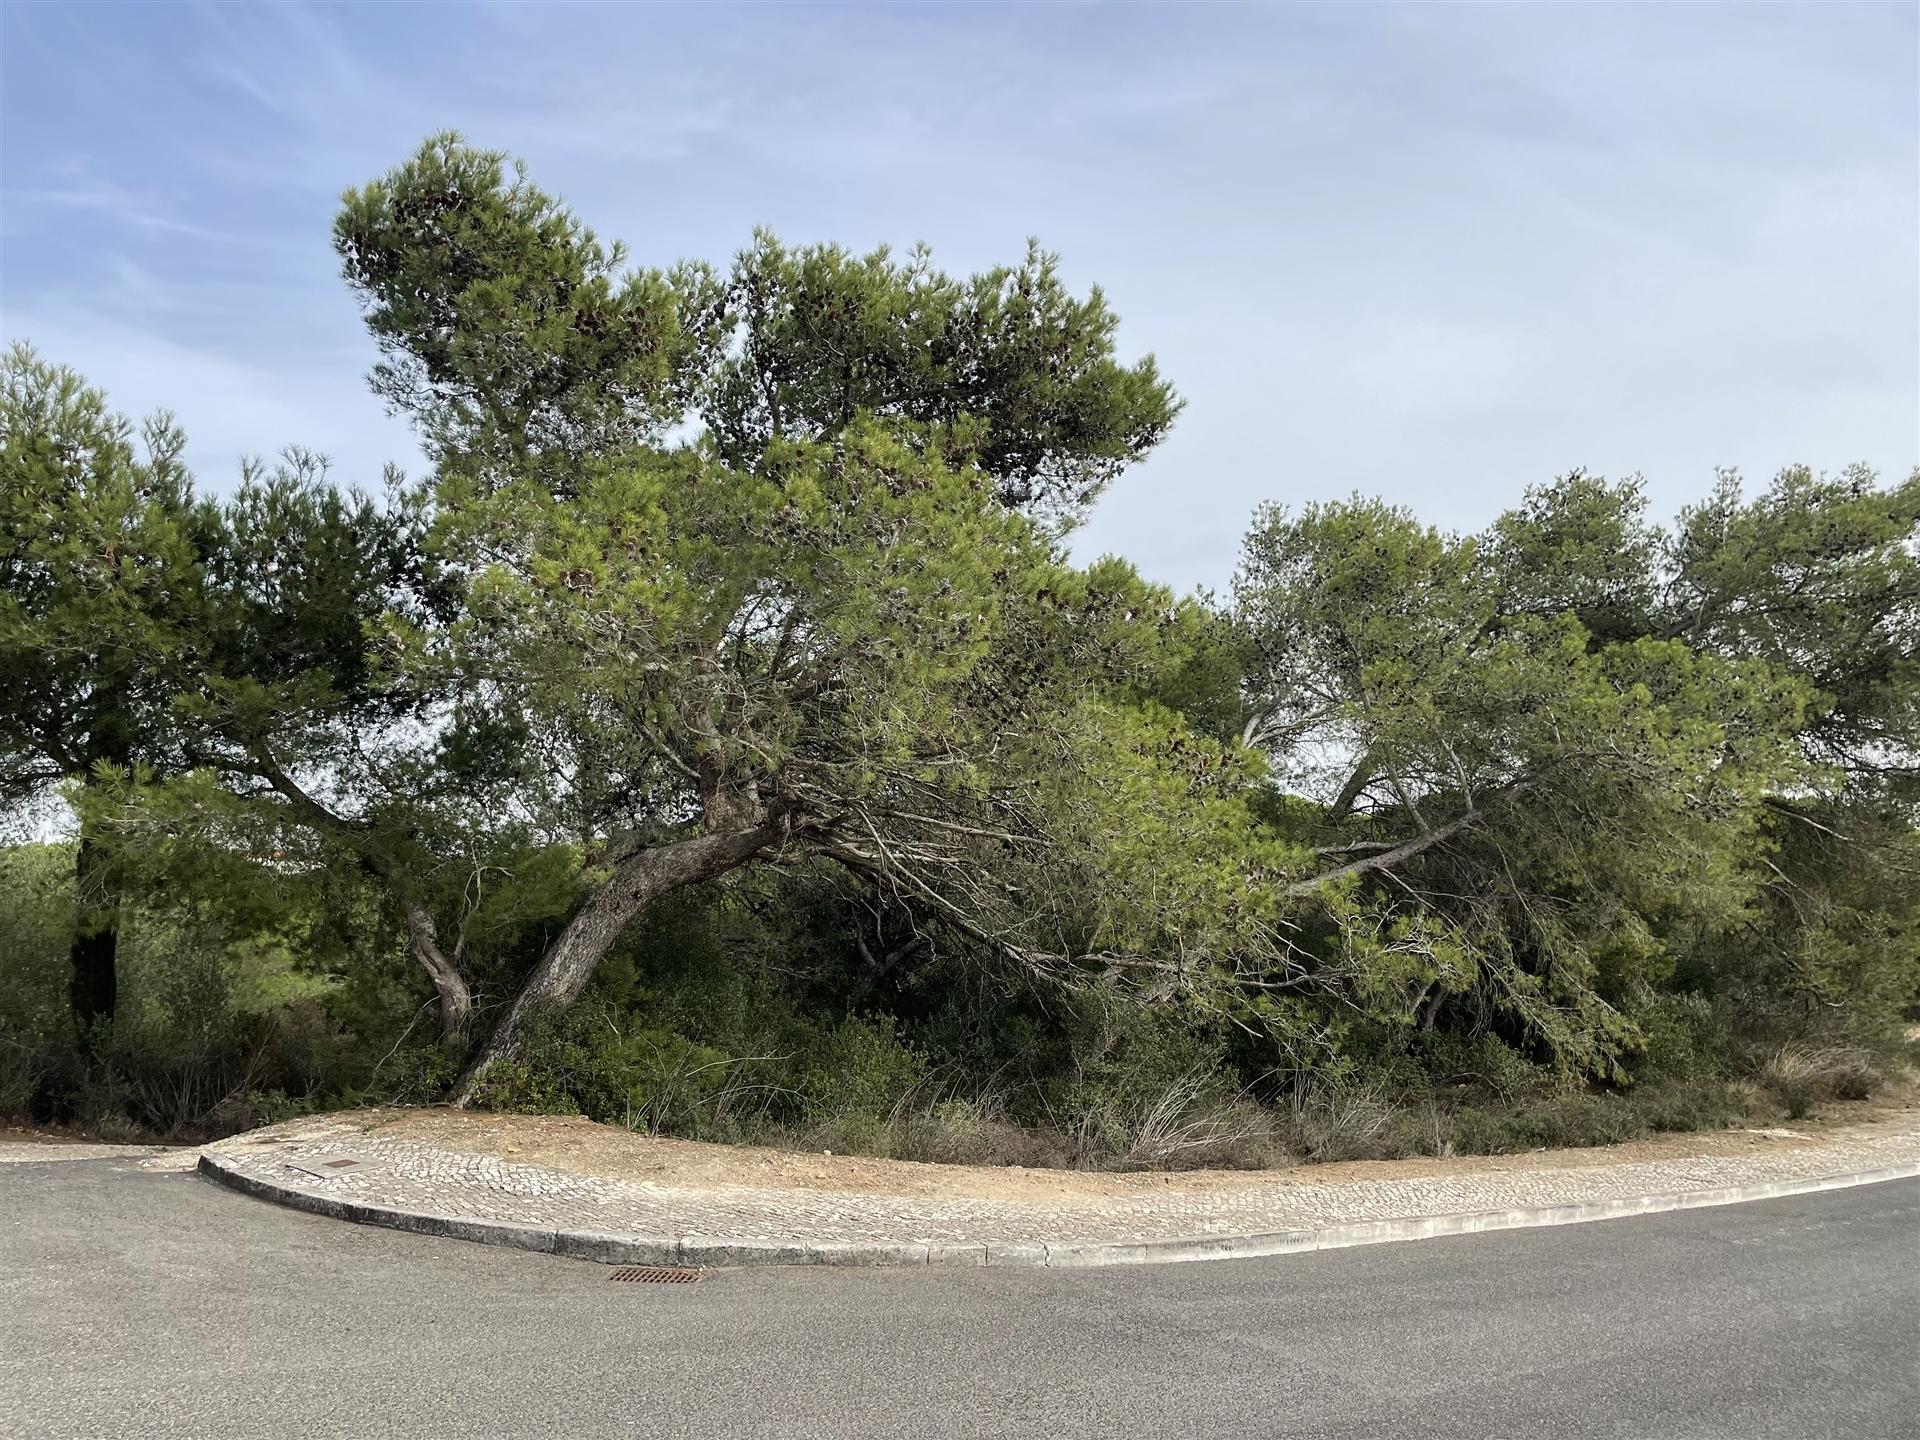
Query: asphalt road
point(137, 1304)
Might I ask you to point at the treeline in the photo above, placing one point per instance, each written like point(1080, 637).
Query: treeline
point(719, 740)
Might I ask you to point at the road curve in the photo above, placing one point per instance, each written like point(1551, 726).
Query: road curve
point(141, 1304)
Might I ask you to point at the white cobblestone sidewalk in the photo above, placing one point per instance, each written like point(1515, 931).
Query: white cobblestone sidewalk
point(421, 1179)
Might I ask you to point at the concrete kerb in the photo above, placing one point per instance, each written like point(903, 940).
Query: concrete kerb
point(714, 1252)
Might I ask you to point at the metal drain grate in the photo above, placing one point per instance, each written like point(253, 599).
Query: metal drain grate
point(654, 1275)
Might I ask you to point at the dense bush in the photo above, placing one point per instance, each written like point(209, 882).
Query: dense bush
point(701, 1027)
point(219, 1028)
point(1685, 1039)
point(36, 1032)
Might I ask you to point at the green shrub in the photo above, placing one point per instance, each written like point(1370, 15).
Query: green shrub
point(1693, 1105)
point(411, 1074)
point(578, 1062)
point(1483, 1061)
point(525, 1088)
point(36, 1036)
point(1149, 1090)
point(589, 1061)
point(727, 1017)
point(1686, 1040)
point(1565, 1120)
point(19, 1078)
point(860, 1067)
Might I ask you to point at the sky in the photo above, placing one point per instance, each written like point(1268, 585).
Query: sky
point(1436, 254)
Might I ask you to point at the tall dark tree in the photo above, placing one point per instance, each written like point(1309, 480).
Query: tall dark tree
point(1006, 369)
point(99, 609)
point(185, 650)
point(1816, 577)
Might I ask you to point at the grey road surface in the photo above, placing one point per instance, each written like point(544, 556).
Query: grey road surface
point(136, 1304)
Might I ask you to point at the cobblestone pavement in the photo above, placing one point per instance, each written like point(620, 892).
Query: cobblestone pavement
point(407, 1175)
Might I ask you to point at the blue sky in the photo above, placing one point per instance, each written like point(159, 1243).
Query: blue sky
point(1435, 253)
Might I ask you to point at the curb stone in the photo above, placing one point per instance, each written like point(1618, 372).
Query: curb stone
point(714, 1252)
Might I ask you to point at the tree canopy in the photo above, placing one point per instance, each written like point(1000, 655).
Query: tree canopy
point(1555, 802)
point(514, 337)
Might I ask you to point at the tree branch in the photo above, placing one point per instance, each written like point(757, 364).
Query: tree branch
point(1386, 859)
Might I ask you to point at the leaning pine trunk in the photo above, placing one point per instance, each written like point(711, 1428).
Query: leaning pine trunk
point(456, 1000)
point(563, 972)
point(423, 935)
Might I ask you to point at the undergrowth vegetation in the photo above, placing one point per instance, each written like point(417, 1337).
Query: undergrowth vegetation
point(697, 1029)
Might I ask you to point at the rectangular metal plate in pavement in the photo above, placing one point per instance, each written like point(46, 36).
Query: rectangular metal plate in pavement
point(325, 1167)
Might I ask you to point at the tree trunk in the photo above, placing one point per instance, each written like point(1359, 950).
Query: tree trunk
point(93, 988)
point(93, 983)
point(423, 935)
point(456, 1000)
point(1362, 776)
point(563, 972)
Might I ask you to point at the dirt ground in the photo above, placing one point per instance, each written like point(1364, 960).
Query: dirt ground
point(579, 1146)
point(34, 1135)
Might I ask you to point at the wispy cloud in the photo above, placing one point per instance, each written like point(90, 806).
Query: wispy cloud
point(116, 203)
point(138, 288)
